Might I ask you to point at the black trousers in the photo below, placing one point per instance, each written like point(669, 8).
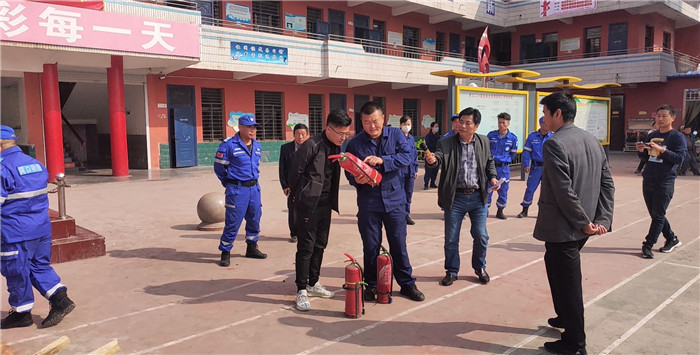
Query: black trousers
point(312, 239)
point(563, 263)
point(430, 175)
point(291, 217)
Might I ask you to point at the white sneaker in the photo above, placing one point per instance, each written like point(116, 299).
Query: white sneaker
point(303, 301)
point(319, 291)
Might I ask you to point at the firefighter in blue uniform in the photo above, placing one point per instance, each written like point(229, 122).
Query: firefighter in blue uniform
point(504, 146)
point(25, 258)
point(532, 163)
point(237, 165)
point(387, 150)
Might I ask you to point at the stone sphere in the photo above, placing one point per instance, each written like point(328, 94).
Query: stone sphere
point(211, 208)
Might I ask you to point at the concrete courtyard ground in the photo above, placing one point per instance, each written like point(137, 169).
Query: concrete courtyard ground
point(159, 288)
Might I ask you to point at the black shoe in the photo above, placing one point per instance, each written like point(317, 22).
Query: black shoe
point(483, 275)
point(413, 293)
point(253, 252)
point(293, 239)
point(500, 215)
point(448, 279)
point(555, 322)
point(370, 294)
point(409, 221)
point(670, 245)
point(433, 186)
point(17, 320)
point(646, 252)
point(559, 347)
point(61, 305)
point(225, 259)
point(425, 187)
point(638, 171)
point(523, 214)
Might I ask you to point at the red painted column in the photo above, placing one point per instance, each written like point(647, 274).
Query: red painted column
point(53, 128)
point(117, 117)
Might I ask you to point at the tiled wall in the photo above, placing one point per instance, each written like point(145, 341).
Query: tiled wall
point(207, 151)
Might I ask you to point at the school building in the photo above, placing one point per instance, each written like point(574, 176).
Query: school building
point(151, 84)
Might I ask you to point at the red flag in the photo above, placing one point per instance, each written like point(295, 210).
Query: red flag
point(484, 52)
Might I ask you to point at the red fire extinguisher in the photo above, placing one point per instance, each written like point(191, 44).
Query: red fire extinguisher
point(385, 276)
point(357, 167)
point(354, 303)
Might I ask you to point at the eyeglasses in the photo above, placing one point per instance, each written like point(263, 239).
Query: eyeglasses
point(342, 135)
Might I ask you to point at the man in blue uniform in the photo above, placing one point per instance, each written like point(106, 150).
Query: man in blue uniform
point(431, 140)
point(532, 163)
point(411, 173)
point(455, 126)
point(504, 146)
point(388, 151)
point(237, 165)
point(25, 259)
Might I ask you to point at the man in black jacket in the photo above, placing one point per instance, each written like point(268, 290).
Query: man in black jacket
point(467, 171)
point(287, 150)
point(313, 180)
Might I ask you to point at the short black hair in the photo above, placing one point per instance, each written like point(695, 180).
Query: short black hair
point(563, 102)
point(370, 107)
point(404, 119)
point(470, 111)
point(338, 118)
point(504, 115)
point(669, 108)
point(433, 124)
point(299, 126)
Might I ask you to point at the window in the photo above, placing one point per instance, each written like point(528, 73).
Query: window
point(410, 108)
point(411, 42)
point(315, 114)
point(337, 20)
point(439, 44)
point(313, 16)
point(550, 46)
point(471, 49)
point(500, 48)
point(455, 45)
point(381, 101)
point(268, 113)
point(649, 39)
point(593, 37)
point(527, 48)
point(212, 115)
point(376, 35)
point(667, 42)
point(266, 16)
point(361, 24)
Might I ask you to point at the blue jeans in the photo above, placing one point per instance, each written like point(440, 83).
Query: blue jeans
point(473, 205)
point(657, 196)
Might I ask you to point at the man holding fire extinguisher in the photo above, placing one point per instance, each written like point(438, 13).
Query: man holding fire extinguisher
point(387, 150)
point(313, 181)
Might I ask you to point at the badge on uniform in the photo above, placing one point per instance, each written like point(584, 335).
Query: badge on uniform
point(29, 169)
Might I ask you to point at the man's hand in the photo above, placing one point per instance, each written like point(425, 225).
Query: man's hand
point(415, 176)
point(527, 170)
point(362, 179)
point(594, 229)
point(374, 160)
point(640, 146)
point(286, 191)
point(655, 148)
point(494, 184)
point(430, 158)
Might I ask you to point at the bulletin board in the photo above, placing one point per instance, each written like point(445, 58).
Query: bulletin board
point(491, 102)
point(592, 115)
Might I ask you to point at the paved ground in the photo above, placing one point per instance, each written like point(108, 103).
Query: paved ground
point(159, 289)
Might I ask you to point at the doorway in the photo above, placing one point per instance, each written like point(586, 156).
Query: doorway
point(182, 125)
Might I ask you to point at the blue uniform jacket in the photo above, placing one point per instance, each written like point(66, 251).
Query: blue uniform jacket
point(234, 162)
point(431, 140)
point(532, 150)
point(23, 197)
point(396, 154)
point(413, 167)
point(503, 149)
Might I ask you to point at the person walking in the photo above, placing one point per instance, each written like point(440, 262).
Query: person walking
point(466, 172)
point(411, 173)
point(313, 183)
point(576, 201)
point(431, 140)
point(287, 150)
point(387, 150)
point(532, 164)
point(504, 146)
point(25, 227)
point(689, 161)
point(237, 165)
point(665, 148)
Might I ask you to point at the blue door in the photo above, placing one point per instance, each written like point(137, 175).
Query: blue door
point(617, 39)
point(182, 125)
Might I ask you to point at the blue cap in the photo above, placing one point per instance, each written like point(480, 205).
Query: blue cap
point(454, 117)
point(542, 120)
point(247, 120)
point(7, 133)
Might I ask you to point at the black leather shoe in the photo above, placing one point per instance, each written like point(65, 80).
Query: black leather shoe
point(61, 305)
point(433, 186)
point(500, 215)
point(483, 275)
point(253, 252)
point(555, 322)
point(409, 221)
point(425, 187)
point(413, 293)
point(17, 320)
point(448, 279)
point(370, 294)
point(523, 213)
point(225, 259)
point(559, 347)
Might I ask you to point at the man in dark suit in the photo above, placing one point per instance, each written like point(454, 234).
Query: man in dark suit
point(287, 150)
point(576, 201)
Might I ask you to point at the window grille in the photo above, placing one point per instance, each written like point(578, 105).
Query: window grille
point(315, 114)
point(212, 115)
point(269, 114)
